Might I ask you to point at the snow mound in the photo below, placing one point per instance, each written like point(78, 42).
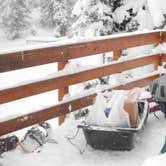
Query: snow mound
point(159, 160)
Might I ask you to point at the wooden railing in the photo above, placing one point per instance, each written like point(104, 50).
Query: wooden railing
point(20, 59)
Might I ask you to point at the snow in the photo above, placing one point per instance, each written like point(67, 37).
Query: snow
point(121, 14)
point(160, 49)
point(143, 17)
point(70, 41)
point(156, 161)
point(49, 99)
point(68, 70)
point(27, 105)
point(134, 4)
point(157, 10)
point(43, 39)
point(147, 22)
point(147, 144)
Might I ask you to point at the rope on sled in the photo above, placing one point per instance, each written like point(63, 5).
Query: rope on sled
point(70, 139)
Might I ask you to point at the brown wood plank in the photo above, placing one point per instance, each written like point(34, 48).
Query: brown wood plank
point(62, 91)
point(139, 83)
point(15, 93)
point(117, 54)
point(60, 109)
point(29, 58)
point(119, 43)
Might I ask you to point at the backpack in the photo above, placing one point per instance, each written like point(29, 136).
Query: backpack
point(158, 92)
point(36, 137)
point(8, 143)
point(158, 88)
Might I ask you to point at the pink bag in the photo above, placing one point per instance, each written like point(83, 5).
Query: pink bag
point(133, 95)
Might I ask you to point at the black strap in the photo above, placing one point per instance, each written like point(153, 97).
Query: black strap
point(154, 88)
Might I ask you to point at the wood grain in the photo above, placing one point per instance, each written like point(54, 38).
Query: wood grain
point(60, 109)
point(34, 88)
point(30, 58)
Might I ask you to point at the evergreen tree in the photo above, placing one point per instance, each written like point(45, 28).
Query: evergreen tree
point(131, 16)
point(55, 14)
point(104, 17)
point(93, 17)
point(15, 17)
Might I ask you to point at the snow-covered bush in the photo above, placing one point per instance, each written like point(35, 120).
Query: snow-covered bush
point(55, 14)
point(15, 17)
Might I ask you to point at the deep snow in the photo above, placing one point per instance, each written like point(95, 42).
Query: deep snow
point(148, 144)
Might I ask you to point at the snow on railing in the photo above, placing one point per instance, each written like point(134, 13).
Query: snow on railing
point(61, 52)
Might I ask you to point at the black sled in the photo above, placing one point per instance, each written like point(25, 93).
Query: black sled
point(107, 138)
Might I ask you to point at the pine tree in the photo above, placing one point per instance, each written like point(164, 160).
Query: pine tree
point(128, 15)
point(15, 17)
point(55, 14)
point(93, 17)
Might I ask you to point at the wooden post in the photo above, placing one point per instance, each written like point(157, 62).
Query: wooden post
point(117, 54)
point(158, 63)
point(62, 91)
point(156, 66)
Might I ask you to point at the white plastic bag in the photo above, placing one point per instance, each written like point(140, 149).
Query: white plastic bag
point(96, 115)
point(117, 116)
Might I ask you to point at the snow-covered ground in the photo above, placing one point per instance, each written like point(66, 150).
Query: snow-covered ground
point(148, 144)
point(64, 153)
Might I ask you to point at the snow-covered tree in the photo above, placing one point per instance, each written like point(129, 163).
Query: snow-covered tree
point(14, 17)
point(93, 18)
point(55, 14)
point(133, 15)
point(157, 11)
point(103, 17)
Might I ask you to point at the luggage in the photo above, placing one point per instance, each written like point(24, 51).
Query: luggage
point(36, 137)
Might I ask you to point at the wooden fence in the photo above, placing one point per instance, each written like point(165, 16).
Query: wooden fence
point(61, 54)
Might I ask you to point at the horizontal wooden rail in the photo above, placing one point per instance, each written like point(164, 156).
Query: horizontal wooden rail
point(60, 109)
point(139, 83)
point(40, 56)
point(19, 92)
point(52, 53)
